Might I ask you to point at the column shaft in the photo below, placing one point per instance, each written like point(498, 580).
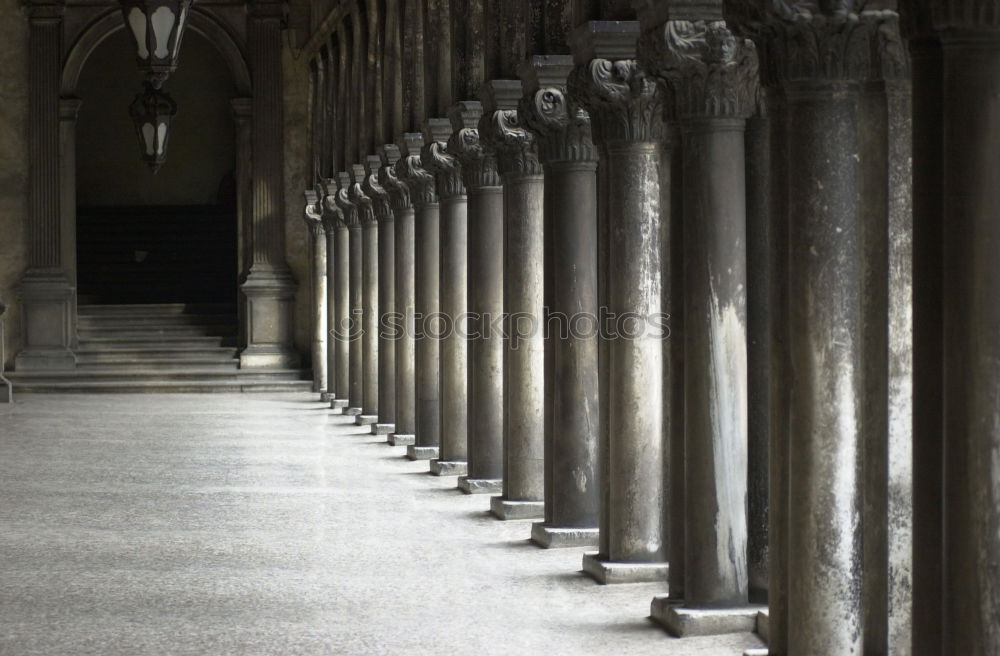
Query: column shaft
point(369, 327)
point(454, 345)
point(486, 347)
point(825, 455)
point(342, 309)
point(524, 355)
point(428, 352)
point(357, 342)
point(406, 411)
point(330, 234)
point(319, 361)
point(715, 382)
point(386, 310)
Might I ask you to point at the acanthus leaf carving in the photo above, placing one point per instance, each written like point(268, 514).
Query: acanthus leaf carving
point(515, 147)
point(399, 191)
point(711, 72)
point(333, 216)
point(418, 180)
point(446, 169)
point(360, 200)
point(561, 125)
point(343, 200)
point(377, 193)
point(479, 166)
point(624, 102)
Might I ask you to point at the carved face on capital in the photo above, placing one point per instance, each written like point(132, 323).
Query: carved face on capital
point(721, 43)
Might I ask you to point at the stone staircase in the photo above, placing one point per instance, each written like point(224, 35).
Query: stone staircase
point(172, 347)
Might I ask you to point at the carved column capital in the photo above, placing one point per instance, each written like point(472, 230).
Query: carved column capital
point(358, 197)
point(561, 125)
point(332, 215)
point(376, 192)
point(399, 192)
point(710, 72)
point(479, 166)
point(625, 103)
point(312, 213)
point(343, 200)
point(410, 170)
point(435, 157)
point(515, 147)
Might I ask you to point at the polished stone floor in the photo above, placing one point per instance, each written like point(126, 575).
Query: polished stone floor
point(252, 524)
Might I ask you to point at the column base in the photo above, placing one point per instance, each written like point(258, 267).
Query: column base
point(382, 429)
point(764, 625)
point(325, 397)
point(553, 537)
point(270, 295)
point(338, 406)
point(448, 467)
point(48, 321)
point(366, 420)
point(756, 651)
point(414, 452)
point(352, 412)
point(401, 439)
point(610, 573)
point(6, 391)
point(684, 622)
point(480, 485)
point(512, 509)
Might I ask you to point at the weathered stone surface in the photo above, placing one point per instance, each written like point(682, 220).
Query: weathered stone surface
point(609, 572)
point(512, 509)
point(480, 485)
point(684, 622)
point(448, 467)
point(551, 537)
point(401, 439)
point(417, 452)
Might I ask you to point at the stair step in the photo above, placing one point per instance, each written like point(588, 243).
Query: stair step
point(149, 332)
point(147, 341)
point(149, 309)
point(150, 366)
point(169, 387)
point(123, 375)
point(108, 352)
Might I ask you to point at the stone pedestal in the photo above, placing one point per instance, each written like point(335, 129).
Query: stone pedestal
point(365, 420)
point(625, 107)
point(484, 452)
point(524, 364)
point(453, 298)
point(712, 77)
point(685, 622)
point(571, 361)
point(471, 485)
point(440, 467)
point(423, 195)
point(503, 508)
point(401, 439)
point(382, 429)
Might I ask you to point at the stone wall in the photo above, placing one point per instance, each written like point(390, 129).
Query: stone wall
point(13, 163)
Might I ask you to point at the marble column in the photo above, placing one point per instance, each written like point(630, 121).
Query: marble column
point(485, 194)
point(269, 287)
point(313, 216)
point(48, 322)
point(625, 107)
point(336, 295)
point(402, 324)
point(369, 298)
point(386, 297)
point(351, 328)
point(821, 56)
point(712, 78)
point(6, 389)
point(524, 342)
point(423, 195)
point(970, 41)
point(569, 157)
point(454, 272)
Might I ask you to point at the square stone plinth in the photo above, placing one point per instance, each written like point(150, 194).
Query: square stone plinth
point(401, 439)
point(480, 485)
point(6, 391)
point(414, 452)
point(352, 412)
point(325, 397)
point(764, 625)
point(683, 622)
point(366, 420)
point(338, 406)
point(756, 651)
point(513, 509)
point(382, 429)
point(553, 537)
point(449, 467)
point(608, 572)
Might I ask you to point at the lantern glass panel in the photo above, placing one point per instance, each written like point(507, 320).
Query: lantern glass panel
point(162, 21)
point(137, 22)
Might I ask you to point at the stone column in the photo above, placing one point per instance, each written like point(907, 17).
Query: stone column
point(482, 182)
point(571, 383)
point(269, 287)
point(423, 194)
point(242, 109)
point(6, 389)
point(336, 261)
point(454, 271)
point(625, 107)
point(69, 110)
point(970, 40)
point(351, 328)
point(524, 344)
point(821, 56)
point(386, 297)
point(313, 216)
point(369, 298)
point(712, 77)
point(46, 292)
point(405, 300)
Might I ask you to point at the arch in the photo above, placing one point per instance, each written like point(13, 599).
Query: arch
point(110, 22)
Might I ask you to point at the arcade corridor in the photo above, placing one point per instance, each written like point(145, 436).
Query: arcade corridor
point(264, 525)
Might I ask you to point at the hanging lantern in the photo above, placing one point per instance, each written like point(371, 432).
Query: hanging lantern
point(152, 111)
point(157, 27)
